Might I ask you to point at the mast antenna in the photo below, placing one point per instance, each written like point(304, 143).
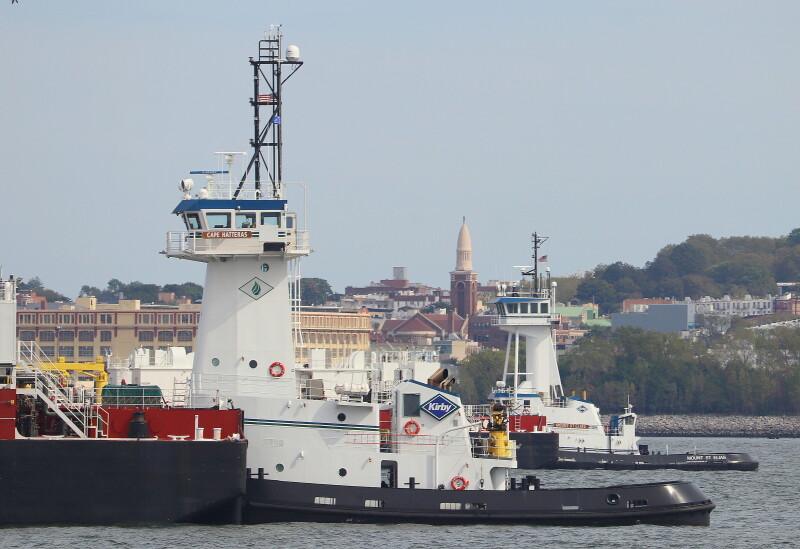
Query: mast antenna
point(266, 164)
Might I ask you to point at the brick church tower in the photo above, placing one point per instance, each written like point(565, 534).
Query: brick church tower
point(464, 281)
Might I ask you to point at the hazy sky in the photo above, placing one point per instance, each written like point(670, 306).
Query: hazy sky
point(614, 128)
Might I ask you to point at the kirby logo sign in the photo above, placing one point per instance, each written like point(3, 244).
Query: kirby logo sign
point(439, 407)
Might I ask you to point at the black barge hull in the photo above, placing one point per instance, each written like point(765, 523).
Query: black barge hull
point(120, 481)
point(668, 503)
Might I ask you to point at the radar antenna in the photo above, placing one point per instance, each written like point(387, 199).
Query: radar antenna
point(268, 134)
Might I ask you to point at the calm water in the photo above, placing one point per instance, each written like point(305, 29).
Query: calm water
point(754, 509)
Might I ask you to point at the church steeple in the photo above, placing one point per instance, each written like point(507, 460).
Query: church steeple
point(464, 281)
point(464, 248)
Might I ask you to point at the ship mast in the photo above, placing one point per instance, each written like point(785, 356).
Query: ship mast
point(537, 242)
point(267, 141)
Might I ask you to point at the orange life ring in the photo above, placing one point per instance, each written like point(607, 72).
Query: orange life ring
point(459, 483)
point(412, 427)
point(276, 369)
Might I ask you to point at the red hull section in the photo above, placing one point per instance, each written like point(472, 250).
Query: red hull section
point(175, 422)
point(8, 413)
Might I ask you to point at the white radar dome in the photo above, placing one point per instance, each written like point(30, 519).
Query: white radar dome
point(186, 185)
point(293, 53)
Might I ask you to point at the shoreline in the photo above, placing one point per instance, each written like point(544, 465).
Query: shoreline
point(685, 425)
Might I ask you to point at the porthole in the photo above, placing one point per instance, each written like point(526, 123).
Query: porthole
point(279, 467)
point(341, 417)
point(612, 499)
point(342, 472)
point(215, 362)
point(253, 363)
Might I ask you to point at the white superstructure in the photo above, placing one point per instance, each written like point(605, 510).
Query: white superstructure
point(365, 424)
point(534, 387)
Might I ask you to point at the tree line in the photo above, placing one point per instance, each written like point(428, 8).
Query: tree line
point(700, 266)
point(741, 372)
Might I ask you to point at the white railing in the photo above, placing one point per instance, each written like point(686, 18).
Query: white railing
point(192, 243)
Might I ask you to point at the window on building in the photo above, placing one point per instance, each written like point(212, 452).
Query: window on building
point(86, 351)
point(48, 350)
point(66, 335)
point(218, 220)
point(184, 318)
point(86, 335)
point(66, 318)
point(47, 336)
point(27, 335)
point(27, 318)
point(67, 352)
point(165, 318)
point(105, 335)
point(145, 318)
point(106, 318)
point(165, 336)
point(146, 335)
point(47, 318)
point(105, 350)
point(184, 335)
point(86, 318)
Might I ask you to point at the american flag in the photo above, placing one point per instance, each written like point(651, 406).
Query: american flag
point(267, 98)
point(543, 258)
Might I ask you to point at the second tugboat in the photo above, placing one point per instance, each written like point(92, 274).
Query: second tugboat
point(560, 432)
point(319, 450)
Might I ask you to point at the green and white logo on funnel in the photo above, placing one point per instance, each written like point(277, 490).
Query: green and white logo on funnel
point(256, 288)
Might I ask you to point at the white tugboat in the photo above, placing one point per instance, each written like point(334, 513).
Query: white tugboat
point(534, 396)
point(383, 449)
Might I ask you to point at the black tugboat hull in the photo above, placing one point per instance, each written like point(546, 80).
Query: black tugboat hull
point(541, 451)
point(120, 481)
point(669, 503)
point(619, 462)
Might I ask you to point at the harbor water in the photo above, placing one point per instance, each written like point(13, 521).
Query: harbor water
point(754, 509)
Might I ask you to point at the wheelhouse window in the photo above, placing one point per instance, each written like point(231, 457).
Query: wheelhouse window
point(544, 307)
point(245, 220)
point(289, 222)
point(218, 220)
point(271, 219)
point(192, 221)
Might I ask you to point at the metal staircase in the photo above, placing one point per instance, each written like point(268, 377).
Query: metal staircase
point(75, 406)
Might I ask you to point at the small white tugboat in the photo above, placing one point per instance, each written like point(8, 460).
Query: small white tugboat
point(534, 396)
point(383, 449)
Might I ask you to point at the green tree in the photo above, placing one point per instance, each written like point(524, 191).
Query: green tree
point(438, 305)
point(35, 285)
point(478, 374)
point(189, 290)
point(315, 291)
point(598, 291)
